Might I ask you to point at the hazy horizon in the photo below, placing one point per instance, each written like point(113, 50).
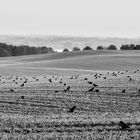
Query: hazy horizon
point(86, 18)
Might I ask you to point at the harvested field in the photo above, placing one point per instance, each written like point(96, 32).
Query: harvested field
point(37, 96)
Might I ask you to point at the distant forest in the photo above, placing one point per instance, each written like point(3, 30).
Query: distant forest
point(12, 50)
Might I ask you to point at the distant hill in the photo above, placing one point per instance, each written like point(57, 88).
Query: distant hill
point(61, 42)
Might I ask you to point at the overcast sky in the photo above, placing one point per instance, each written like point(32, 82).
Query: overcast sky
point(115, 18)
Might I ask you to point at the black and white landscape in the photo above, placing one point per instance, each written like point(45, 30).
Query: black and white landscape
point(69, 70)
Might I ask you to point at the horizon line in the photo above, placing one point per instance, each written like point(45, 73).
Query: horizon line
point(69, 36)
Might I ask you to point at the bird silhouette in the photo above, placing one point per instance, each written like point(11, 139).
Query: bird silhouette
point(130, 79)
point(56, 91)
point(22, 85)
point(50, 80)
point(90, 83)
point(97, 90)
point(123, 125)
point(95, 85)
point(68, 88)
point(123, 91)
point(11, 90)
point(91, 89)
point(72, 109)
point(22, 97)
point(85, 79)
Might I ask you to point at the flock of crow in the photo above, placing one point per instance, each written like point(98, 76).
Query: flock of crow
point(94, 87)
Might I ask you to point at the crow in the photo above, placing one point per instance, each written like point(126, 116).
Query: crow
point(85, 79)
point(72, 109)
point(123, 125)
point(90, 83)
point(68, 88)
point(50, 80)
point(97, 90)
point(130, 79)
point(123, 91)
point(95, 85)
point(11, 90)
point(71, 77)
point(56, 91)
point(22, 97)
point(22, 85)
point(91, 89)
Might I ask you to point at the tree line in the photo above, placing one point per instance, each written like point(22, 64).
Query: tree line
point(110, 47)
point(13, 50)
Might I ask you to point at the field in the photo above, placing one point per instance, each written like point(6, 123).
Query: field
point(37, 93)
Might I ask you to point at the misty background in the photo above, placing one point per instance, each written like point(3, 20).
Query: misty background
point(70, 23)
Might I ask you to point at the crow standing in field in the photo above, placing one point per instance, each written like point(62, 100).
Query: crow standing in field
point(11, 90)
point(56, 91)
point(123, 91)
point(22, 97)
point(85, 79)
point(91, 89)
point(97, 90)
point(123, 125)
point(71, 77)
point(68, 88)
point(71, 110)
point(104, 78)
point(95, 85)
point(37, 79)
point(50, 80)
point(90, 83)
point(22, 85)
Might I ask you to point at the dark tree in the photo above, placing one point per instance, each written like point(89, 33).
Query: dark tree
point(112, 47)
point(66, 50)
point(125, 47)
point(87, 48)
point(137, 47)
point(76, 49)
point(132, 47)
point(100, 48)
point(11, 50)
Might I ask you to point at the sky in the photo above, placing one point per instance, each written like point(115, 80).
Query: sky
point(102, 18)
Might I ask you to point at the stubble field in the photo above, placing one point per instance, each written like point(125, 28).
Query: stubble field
point(37, 94)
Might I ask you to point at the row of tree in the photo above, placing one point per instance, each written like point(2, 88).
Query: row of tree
point(13, 50)
point(110, 47)
point(130, 47)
